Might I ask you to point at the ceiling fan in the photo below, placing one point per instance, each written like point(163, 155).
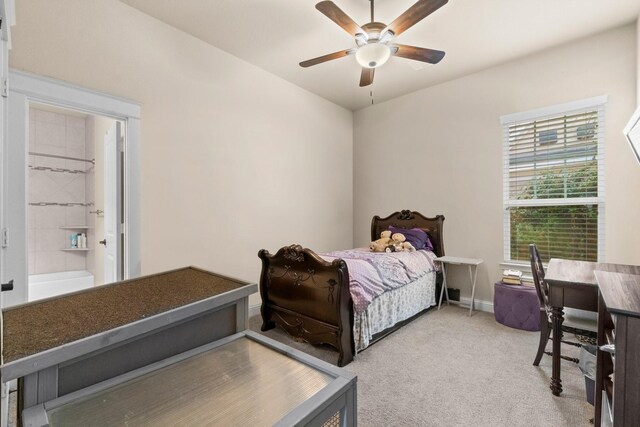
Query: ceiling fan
point(374, 39)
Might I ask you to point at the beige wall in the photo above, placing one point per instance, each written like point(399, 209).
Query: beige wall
point(439, 150)
point(234, 159)
point(638, 60)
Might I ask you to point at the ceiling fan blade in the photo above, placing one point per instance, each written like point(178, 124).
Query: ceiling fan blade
point(325, 58)
point(415, 14)
point(366, 78)
point(431, 56)
point(333, 12)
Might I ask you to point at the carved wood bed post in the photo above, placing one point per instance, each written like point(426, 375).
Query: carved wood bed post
point(265, 311)
point(308, 297)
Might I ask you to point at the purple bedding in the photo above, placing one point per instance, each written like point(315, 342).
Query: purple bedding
point(373, 273)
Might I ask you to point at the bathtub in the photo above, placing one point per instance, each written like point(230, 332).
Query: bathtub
point(52, 284)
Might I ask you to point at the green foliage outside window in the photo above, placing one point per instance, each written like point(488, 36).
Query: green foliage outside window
point(570, 231)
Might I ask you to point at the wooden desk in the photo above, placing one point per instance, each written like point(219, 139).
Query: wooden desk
point(617, 387)
point(573, 284)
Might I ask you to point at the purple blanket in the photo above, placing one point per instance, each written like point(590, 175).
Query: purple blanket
point(373, 273)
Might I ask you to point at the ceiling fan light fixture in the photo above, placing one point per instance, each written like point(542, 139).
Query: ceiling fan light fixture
point(373, 55)
point(361, 39)
point(386, 36)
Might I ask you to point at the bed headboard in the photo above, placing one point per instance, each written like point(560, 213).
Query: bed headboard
point(412, 219)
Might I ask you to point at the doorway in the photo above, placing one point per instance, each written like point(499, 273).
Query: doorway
point(64, 218)
point(72, 206)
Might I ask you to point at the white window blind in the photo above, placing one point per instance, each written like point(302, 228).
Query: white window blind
point(554, 182)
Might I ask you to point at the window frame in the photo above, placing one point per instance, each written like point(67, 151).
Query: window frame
point(598, 103)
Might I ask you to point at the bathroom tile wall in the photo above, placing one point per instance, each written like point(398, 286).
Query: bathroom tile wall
point(64, 135)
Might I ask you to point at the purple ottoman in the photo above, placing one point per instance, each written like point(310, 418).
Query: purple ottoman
point(516, 306)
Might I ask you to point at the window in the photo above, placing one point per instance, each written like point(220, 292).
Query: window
point(554, 182)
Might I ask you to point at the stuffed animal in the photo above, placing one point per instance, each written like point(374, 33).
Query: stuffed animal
point(407, 247)
point(382, 243)
point(391, 243)
point(400, 244)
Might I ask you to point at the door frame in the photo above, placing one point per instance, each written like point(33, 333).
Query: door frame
point(44, 90)
point(7, 12)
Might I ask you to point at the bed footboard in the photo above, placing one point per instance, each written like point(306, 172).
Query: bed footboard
point(308, 297)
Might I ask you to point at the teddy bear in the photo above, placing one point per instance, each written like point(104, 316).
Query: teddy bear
point(382, 243)
point(400, 244)
point(391, 243)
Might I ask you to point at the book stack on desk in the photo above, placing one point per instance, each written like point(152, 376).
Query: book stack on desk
point(512, 277)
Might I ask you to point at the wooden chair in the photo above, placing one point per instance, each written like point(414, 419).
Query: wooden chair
point(579, 327)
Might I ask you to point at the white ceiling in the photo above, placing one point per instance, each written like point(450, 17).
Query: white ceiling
point(277, 34)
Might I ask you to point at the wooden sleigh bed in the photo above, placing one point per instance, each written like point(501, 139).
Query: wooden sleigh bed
point(309, 297)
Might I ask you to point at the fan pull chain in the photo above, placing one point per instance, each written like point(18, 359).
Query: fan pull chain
point(371, 95)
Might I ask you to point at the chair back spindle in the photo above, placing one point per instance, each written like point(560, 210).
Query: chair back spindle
point(538, 277)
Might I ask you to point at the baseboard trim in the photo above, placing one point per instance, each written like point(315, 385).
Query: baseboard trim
point(254, 310)
point(478, 305)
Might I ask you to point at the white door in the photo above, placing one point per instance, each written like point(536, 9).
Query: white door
point(13, 230)
point(112, 203)
point(4, 388)
point(3, 129)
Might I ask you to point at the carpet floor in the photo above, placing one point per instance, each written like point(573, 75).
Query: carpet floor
point(448, 369)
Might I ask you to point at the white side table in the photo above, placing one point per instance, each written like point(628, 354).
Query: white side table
point(472, 263)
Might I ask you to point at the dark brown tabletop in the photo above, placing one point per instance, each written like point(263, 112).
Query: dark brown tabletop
point(564, 272)
point(39, 326)
point(621, 292)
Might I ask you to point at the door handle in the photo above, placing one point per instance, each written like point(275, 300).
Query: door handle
point(7, 286)
point(103, 242)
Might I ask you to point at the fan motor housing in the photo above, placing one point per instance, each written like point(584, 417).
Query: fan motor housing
point(374, 28)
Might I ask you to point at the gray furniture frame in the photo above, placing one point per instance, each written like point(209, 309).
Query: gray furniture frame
point(79, 364)
point(334, 404)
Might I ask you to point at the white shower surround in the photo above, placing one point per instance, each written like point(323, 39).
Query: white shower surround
point(58, 133)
